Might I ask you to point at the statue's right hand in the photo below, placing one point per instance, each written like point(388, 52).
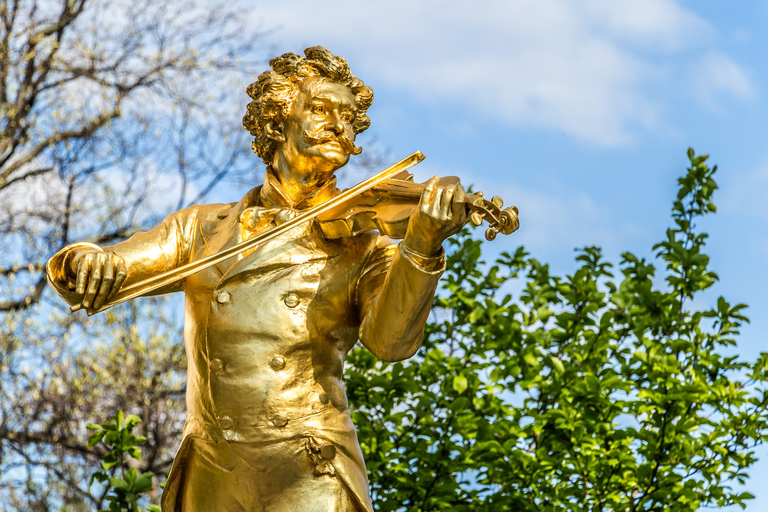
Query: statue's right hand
point(99, 275)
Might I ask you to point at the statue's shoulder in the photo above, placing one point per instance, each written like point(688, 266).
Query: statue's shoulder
point(206, 216)
point(215, 213)
point(212, 212)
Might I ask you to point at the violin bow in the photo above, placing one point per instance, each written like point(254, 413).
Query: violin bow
point(166, 278)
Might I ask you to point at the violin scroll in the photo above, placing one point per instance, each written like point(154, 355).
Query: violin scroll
point(500, 221)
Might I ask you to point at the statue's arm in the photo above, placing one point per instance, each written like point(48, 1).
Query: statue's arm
point(145, 254)
point(394, 297)
point(398, 283)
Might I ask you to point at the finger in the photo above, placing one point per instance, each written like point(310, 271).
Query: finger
point(461, 195)
point(121, 274)
point(83, 270)
point(95, 281)
point(107, 280)
point(435, 207)
point(446, 205)
point(428, 195)
point(459, 208)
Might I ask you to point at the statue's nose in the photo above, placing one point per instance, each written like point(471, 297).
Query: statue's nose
point(335, 124)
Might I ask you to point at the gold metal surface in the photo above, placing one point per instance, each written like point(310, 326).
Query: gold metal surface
point(274, 302)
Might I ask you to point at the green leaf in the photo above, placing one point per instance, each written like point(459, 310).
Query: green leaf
point(558, 364)
point(107, 465)
point(95, 438)
point(118, 483)
point(460, 384)
point(531, 359)
point(143, 482)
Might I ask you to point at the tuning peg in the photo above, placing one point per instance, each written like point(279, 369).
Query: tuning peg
point(508, 220)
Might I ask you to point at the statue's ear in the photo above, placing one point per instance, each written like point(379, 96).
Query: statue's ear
point(275, 131)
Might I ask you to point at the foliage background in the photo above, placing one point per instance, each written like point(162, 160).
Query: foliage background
point(599, 390)
point(103, 104)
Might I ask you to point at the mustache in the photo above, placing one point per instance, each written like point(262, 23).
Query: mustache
point(326, 136)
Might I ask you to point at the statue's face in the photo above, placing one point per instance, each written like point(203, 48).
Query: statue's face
point(321, 109)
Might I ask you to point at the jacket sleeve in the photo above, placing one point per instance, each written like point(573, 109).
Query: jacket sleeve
point(146, 254)
point(394, 297)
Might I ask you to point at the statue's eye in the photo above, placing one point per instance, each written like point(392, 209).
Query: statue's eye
point(318, 108)
point(347, 116)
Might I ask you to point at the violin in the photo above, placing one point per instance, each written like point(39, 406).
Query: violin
point(384, 202)
point(388, 205)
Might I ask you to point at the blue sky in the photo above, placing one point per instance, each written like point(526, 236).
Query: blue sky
point(580, 113)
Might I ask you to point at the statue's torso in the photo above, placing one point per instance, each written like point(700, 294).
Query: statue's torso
point(266, 335)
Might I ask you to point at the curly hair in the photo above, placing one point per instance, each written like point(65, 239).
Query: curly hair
point(276, 90)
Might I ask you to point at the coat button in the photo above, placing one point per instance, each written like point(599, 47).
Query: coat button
point(280, 419)
point(223, 297)
point(328, 451)
point(225, 422)
point(278, 363)
point(216, 365)
point(291, 300)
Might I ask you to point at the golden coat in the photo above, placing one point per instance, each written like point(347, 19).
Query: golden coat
point(266, 333)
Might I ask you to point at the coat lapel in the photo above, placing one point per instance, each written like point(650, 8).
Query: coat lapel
point(227, 232)
point(295, 247)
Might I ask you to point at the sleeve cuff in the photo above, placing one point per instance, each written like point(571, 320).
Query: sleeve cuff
point(428, 264)
point(58, 267)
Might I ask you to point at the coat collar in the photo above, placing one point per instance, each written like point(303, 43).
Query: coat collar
point(273, 195)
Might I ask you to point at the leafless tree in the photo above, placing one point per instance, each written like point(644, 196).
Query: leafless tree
point(112, 114)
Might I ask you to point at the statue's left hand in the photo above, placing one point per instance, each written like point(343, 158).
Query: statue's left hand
point(99, 275)
point(441, 213)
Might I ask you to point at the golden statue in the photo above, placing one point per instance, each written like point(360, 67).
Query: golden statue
point(279, 287)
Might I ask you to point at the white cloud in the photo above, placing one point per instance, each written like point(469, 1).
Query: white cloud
point(660, 25)
point(746, 196)
point(714, 74)
point(743, 202)
point(556, 220)
point(578, 67)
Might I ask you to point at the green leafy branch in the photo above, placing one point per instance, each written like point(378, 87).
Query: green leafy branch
point(606, 390)
point(126, 489)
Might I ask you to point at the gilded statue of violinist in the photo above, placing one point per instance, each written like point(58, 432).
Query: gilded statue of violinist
point(267, 330)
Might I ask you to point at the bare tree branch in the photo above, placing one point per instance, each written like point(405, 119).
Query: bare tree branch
point(25, 176)
point(83, 132)
point(30, 267)
point(32, 298)
point(91, 92)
